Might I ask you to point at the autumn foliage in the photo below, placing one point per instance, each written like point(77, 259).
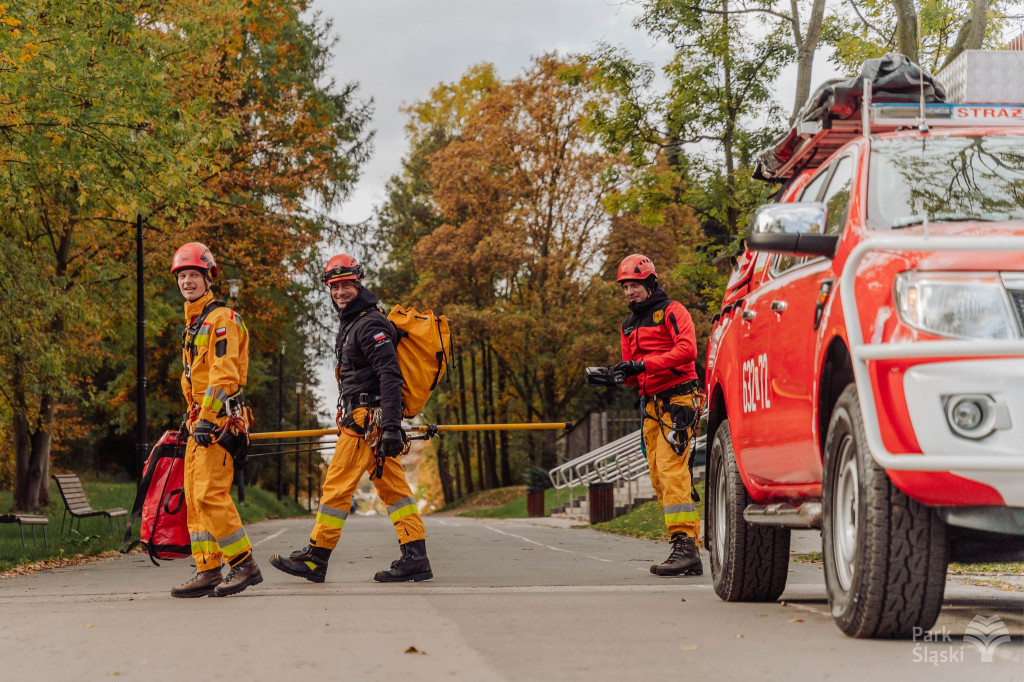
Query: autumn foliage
point(212, 122)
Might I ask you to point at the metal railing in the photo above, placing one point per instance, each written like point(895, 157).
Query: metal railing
point(622, 460)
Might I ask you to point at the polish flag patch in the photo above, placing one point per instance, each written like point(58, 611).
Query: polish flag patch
point(221, 331)
point(380, 337)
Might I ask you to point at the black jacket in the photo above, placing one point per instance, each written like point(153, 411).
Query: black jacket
point(367, 363)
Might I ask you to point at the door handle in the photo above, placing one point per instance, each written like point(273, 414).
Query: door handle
point(778, 306)
point(748, 314)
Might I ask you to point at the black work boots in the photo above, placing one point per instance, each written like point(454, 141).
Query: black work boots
point(309, 563)
point(683, 560)
point(200, 585)
point(242, 575)
point(412, 565)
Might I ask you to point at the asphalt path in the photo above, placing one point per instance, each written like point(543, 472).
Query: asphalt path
point(511, 600)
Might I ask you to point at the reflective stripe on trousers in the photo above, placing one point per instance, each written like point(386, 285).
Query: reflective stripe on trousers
point(352, 456)
point(215, 529)
point(329, 516)
point(670, 473)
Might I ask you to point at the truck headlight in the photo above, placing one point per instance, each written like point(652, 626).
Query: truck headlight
point(970, 305)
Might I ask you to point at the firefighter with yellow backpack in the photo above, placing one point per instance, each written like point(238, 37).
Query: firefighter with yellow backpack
point(370, 411)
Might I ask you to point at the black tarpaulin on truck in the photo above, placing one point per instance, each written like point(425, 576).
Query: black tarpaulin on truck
point(894, 79)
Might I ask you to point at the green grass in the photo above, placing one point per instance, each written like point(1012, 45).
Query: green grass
point(646, 521)
point(485, 498)
point(516, 508)
point(95, 538)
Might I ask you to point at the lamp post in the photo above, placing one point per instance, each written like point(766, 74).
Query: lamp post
point(298, 403)
point(142, 446)
point(280, 420)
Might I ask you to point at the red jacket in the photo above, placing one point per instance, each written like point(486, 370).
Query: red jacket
point(660, 332)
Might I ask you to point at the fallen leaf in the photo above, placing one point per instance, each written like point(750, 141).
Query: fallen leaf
point(739, 636)
point(682, 600)
point(89, 625)
point(414, 650)
point(796, 620)
point(784, 603)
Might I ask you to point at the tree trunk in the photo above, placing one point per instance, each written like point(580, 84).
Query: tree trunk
point(476, 418)
point(548, 455)
point(31, 447)
point(444, 472)
point(491, 470)
point(906, 28)
point(806, 46)
point(450, 415)
point(979, 24)
point(506, 468)
point(731, 211)
point(467, 467)
point(959, 45)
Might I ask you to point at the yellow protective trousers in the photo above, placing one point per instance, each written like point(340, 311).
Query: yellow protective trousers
point(213, 522)
point(353, 456)
point(670, 472)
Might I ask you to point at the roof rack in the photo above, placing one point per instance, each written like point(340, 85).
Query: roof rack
point(822, 138)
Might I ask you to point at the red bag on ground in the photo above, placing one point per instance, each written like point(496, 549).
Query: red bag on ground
point(160, 501)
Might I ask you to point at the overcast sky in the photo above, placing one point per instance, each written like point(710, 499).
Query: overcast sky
point(397, 50)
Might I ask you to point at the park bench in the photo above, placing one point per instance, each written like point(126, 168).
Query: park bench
point(76, 504)
point(27, 520)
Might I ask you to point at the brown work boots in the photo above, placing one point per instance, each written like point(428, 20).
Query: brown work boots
point(683, 560)
point(241, 575)
point(201, 585)
point(212, 584)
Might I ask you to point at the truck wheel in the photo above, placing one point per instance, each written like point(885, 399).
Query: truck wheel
point(885, 554)
point(748, 563)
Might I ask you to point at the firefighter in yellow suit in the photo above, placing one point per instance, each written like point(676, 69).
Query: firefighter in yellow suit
point(370, 384)
point(215, 353)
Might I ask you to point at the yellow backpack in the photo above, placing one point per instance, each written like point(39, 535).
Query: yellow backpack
point(424, 347)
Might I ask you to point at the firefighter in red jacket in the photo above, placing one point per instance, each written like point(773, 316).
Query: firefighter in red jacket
point(215, 352)
point(659, 350)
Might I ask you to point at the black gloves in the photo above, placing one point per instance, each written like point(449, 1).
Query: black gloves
point(392, 442)
point(202, 434)
point(629, 368)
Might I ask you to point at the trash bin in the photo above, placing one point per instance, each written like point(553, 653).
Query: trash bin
point(602, 502)
point(535, 503)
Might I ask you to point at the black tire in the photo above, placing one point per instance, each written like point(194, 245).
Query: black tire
point(885, 554)
point(748, 563)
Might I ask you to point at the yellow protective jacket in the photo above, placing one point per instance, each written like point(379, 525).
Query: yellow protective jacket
point(216, 358)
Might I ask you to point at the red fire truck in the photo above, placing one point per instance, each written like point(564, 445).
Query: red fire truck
point(865, 374)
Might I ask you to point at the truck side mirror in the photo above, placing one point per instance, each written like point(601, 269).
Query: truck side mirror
point(794, 228)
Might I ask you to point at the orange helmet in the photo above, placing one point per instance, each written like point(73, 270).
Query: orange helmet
point(637, 267)
point(342, 267)
point(194, 255)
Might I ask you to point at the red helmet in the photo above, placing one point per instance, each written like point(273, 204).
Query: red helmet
point(194, 255)
point(340, 268)
point(637, 267)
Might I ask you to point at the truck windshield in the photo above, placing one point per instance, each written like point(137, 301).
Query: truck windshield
point(946, 179)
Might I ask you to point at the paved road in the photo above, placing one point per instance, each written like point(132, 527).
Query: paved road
point(512, 600)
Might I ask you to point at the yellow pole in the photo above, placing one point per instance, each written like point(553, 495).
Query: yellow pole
point(317, 433)
point(540, 426)
point(271, 435)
